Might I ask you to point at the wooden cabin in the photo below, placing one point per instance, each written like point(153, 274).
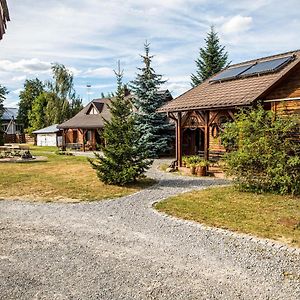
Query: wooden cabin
point(4, 17)
point(199, 113)
point(84, 130)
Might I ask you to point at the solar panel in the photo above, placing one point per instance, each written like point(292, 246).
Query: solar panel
point(267, 66)
point(231, 73)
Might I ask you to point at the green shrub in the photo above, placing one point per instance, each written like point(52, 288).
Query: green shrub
point(263, 155)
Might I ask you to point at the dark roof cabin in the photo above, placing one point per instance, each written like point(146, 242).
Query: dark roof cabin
point(4, 17)
point(84, 129)
point(198, 113)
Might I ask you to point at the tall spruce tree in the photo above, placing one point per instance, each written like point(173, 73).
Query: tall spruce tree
point(155, 127)
point(212, 58)
point(124, 159)
point(3, 92)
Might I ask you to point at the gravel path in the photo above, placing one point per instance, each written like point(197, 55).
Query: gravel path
point(123, 249)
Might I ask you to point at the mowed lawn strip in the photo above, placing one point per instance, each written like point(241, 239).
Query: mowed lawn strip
point(263, 215)
point(60, 178)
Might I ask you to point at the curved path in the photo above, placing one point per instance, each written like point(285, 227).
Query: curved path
point(123, 249)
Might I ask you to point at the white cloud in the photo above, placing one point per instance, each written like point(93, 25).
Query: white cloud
point(30, 66)
point(237, 24)
point(99, 72)
point(17, 91)
point(90, 36)
point(19, 78)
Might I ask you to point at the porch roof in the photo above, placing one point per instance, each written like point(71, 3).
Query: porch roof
point(232, 93)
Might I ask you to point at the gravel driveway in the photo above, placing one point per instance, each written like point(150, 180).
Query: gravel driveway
point(123, 249)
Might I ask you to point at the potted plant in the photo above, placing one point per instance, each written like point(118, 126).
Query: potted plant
point(185, 161)
point(193, 168)
point(202, 168)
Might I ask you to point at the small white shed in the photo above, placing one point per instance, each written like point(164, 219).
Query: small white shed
point(49, 136)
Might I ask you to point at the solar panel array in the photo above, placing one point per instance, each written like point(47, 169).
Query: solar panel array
point(264, 67)
point(231, 73)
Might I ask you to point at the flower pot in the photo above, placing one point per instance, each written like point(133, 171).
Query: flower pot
point(201, 171)
point(193, 170)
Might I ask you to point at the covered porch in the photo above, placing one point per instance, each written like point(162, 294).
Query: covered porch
point(198, 132)
point(83, 139)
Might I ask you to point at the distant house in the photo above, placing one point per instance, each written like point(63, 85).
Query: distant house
point(48, 136)
point(84, 130)
point(13, 131)
point(4, 17)
point(200, 112)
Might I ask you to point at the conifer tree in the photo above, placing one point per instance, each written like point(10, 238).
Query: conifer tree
point(212, 58)
point(147, 98)
point(124, 159)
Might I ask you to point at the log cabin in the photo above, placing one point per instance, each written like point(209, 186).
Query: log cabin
point(4, 17)
point(199, 113)
point(85, 130)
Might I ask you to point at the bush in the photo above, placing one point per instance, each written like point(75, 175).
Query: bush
point(263, 153)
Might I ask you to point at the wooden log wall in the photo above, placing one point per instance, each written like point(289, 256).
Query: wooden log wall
point(287, 89)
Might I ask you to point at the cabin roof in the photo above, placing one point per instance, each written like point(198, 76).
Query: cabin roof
point(88, 121)
point(241, 91)
point(85, 120)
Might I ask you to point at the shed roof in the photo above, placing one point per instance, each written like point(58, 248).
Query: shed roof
point(90, 121)
point(50, 129)
point(237, 92)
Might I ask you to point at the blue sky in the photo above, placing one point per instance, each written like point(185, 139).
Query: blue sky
point(90, 36)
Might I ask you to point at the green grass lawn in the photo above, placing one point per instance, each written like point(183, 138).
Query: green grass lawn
point(264, 215)
point(60, 178)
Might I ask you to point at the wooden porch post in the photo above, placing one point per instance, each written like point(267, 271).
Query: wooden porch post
point(179, 140)
point(84, 132)
point(64, 143)
point(206, 135)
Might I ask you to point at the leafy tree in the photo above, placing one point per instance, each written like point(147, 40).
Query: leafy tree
point(124, 159)
point(212, 58)
point(263, 156)
point(37, 116)
point(3, 92)
point(32, 89)
point(156, 129)
point(67, 102)
point(53, 104)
